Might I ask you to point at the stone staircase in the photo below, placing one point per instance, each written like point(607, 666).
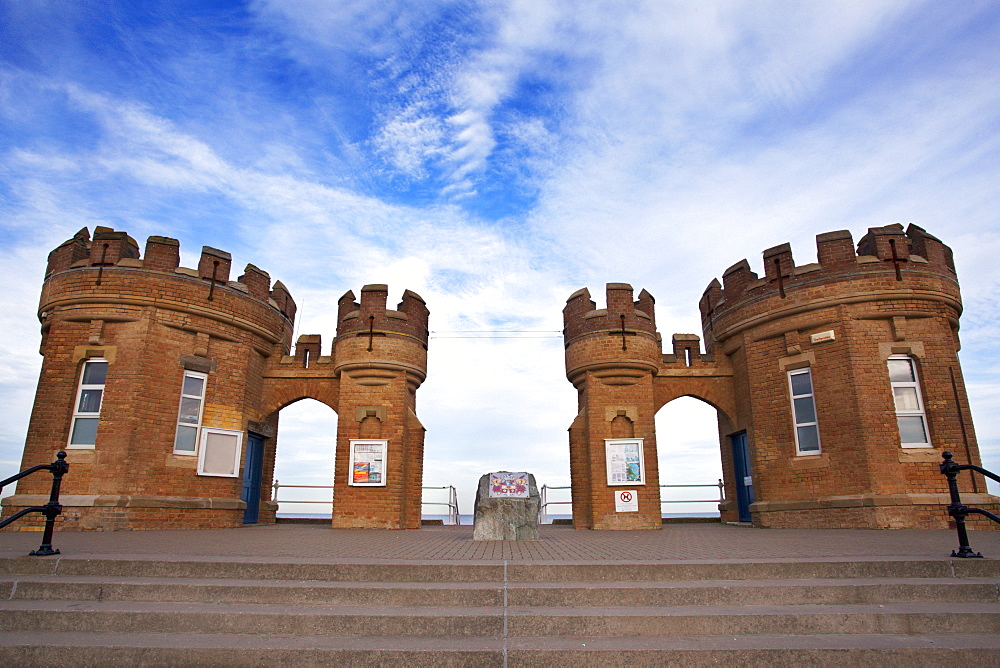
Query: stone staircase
point(90, 612)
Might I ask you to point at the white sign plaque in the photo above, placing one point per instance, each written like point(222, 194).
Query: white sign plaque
point(822, 336)
point(623, 457)
point(626, 501)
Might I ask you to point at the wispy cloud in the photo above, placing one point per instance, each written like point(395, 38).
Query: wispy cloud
point(495, 157)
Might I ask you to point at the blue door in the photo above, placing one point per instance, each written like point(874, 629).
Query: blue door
point(744, 479)
point(253, 466)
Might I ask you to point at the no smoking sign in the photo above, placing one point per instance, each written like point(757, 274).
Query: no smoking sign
point(626, 501)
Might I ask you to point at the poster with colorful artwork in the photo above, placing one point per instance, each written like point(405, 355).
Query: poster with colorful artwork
point(368, 463)
point(509, 485)
point(624, 461)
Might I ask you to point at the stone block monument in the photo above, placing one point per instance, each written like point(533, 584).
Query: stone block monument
point(507, 505)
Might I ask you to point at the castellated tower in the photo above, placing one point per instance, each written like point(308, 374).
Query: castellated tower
point(381, 359)
point(612, 357)
point(163, 384)
point(846, 381)
point(148, 367)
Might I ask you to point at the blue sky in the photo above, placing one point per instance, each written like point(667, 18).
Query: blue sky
point(495, 157)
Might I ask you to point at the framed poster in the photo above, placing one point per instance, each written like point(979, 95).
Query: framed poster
point(624, 461)
point(367, 463)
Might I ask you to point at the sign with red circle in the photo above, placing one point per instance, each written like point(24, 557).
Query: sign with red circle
point(626, 501)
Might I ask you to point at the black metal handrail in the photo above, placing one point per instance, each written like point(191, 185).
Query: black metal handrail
point(959, 510)
point(51, 510)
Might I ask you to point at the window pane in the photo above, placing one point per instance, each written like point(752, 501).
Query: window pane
point(184, 442)
point(808, 438)
point(911, 429)
point(805, 410)
point(220, 454)
point(801, 383)
point(95, 373)
point(193, 386)
point(906, 398)
point(189, 410)
point(901, 371)
point(84, 431)
point(90, 401)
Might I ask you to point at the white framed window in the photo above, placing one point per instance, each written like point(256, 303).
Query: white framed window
point(87, 409)
point(910, 417)
point(367, 463)
point(219, 454)
point(800, 388)
point(189, 414)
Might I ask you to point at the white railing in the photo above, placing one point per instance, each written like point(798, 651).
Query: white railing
point(545, 503)
point(451, 503)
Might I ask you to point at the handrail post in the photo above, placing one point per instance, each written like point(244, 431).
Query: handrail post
point(957, 509)
point(543, 502)
point(53, 508)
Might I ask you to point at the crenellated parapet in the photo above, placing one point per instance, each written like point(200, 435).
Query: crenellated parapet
point(111, 259)
point(581, 317)
point(409, 319)
point(888, 263)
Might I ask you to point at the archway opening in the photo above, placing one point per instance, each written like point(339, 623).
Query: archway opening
point(687, 443)
point(304, 461)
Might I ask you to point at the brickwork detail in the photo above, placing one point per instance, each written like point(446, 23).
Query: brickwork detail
point(843, 316)
point(153, 320)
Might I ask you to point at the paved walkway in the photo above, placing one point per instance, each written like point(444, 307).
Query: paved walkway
point(558, 544)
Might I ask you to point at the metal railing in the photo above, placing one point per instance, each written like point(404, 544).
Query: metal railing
point(51, 510)
point(451, 503)
point(959, 510)
point(543, 498)
point(545, 503)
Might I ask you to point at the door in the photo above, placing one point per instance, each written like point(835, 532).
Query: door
point(744, 479)
point(253, 466)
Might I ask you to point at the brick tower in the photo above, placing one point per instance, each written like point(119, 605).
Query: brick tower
point(847, 383)
point(147, 382)
point(381, 360)
point(612, 357)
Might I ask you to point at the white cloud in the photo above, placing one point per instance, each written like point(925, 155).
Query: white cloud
point(676, 139)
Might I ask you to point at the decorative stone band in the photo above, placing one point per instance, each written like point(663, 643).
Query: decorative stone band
point(729, 330)
point(871, 501)
point(125, 501)
point(188, 309)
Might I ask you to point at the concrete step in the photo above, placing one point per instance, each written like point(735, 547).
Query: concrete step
point(178, 649)
point(205, 590)
point(82, 611)
point(671, 593)
point(159, 617)
point(499, 572)
point(153, 617)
